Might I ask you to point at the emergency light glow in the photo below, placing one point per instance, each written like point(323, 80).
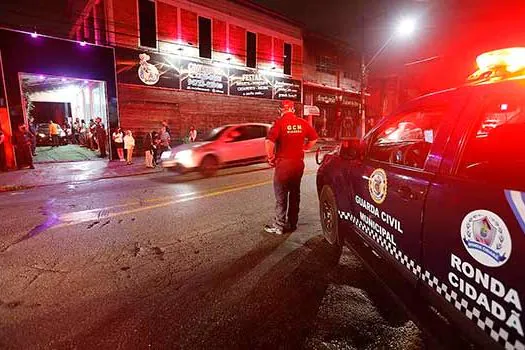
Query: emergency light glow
point(512, 59)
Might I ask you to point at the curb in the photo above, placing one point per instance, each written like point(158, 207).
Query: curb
point(12, 188)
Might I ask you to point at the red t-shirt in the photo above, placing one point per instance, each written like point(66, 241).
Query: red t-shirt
point(289, 133)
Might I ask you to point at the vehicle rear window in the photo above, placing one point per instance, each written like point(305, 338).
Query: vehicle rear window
point(495, 147)
point(406, 140)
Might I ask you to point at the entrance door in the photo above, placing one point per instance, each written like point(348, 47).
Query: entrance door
point(390, 186)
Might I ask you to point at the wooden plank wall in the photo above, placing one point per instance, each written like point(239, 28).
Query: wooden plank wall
point(143, 109)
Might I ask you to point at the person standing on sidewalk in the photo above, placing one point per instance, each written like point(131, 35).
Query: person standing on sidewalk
point(147, 144)
point(193, 134)
point(32, 130)
point(165, 140)
point(285, 146)
point(129, 145)
point(118, 139)
point(53, 132)
point(3, 163)
point(101, 135)
point(22, 142)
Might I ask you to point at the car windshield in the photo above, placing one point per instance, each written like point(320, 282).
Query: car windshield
point(215, 134)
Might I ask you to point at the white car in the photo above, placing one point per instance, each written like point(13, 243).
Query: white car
point(224, 146)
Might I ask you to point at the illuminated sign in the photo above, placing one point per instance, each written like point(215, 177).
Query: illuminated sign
point(175, 72)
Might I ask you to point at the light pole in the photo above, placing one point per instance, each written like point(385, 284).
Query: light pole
point(405, 28)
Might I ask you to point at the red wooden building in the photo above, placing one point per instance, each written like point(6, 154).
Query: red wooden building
point(201, 62)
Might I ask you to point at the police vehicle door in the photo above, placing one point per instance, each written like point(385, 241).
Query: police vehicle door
point(391, 184)
point(474, 236)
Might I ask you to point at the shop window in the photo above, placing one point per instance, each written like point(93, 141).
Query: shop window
point(287, 59)
point(147, 23)
point(494, 150)
point(251, 50)
point(407, 140)
point(204, 37)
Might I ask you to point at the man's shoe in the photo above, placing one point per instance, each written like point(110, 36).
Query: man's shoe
point(273, 229)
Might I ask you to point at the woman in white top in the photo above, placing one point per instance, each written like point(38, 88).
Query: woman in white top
point(129, 144)
point(118, 138)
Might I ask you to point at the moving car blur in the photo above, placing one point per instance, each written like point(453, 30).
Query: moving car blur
point(224, 146)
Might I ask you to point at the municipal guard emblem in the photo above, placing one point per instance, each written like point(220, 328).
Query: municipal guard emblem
point(486, 238)
point(148, 73)
point(377, 186)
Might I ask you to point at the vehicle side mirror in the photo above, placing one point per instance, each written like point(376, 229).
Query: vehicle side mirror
point(352, 149)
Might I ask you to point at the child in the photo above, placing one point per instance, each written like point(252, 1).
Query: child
point(129, 144)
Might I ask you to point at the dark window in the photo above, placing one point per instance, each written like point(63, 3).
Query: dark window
point(326, 64)
point(495, 151)
point(204, 37)
point(147, 23)
point(91, 28)
point(407, 139)
point(101, 18)
point(287, 59)
point(251, 50)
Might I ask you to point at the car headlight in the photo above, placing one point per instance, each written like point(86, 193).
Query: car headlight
point(42, 135)
point(185, 158)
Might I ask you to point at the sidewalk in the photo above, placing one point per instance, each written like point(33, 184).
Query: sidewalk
point(46, 174)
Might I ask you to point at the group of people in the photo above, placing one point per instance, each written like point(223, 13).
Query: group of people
point(92, 135)
point(154, 144)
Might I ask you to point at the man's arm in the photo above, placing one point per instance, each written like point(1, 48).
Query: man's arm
point(270, 151)
point(311, 135)
point(310, 144)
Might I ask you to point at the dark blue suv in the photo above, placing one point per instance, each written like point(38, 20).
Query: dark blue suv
point(437, 191)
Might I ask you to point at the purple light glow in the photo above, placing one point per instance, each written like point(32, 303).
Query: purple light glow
point(34, 35)
point(83, 43)
point(41, 77)
point(63, 79)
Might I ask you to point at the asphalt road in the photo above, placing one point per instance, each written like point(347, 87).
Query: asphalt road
point(168, 262)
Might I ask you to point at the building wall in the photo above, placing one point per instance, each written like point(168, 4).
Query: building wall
point(146, 108)
point(341, 67)
point(143, 107)
point(177, 31)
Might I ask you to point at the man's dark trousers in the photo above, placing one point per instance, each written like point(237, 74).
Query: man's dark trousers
point(287, 188)
point(56, 141)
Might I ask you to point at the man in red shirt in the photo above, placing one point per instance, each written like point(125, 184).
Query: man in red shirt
point(285, 146)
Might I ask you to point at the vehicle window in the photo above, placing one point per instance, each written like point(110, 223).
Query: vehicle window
point(407, 139)
point(260, 131)
point(215, 134)
point(248, 133)
point(495, 151)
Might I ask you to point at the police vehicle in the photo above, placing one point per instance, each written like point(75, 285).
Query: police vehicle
point(437, 191)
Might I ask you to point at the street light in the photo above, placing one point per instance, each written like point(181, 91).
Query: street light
point(405, 28)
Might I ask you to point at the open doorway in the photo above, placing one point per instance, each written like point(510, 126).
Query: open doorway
point(62, 113)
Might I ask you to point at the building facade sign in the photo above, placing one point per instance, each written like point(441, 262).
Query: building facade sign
point(202, 77)
point(287, 89)
point(250, 83)
point(170, 71)
point(326, 98)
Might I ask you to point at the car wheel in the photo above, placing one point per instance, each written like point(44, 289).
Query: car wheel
point(209, 166)
point(329, 216)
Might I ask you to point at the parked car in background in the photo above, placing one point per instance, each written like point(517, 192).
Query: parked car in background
point(44, 139)
point(224, 146)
